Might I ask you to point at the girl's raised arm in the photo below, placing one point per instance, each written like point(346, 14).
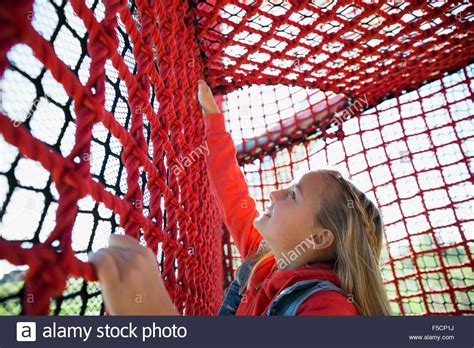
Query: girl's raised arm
point(227, 180)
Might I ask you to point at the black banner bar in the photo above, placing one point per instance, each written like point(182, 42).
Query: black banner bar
point(242, 332)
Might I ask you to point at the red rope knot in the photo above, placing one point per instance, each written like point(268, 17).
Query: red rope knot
point(139, 96)
point(138, 104)
point(86, 270)
point(152, 240)
point(145, 52)
point(15, 16)
point(114, 6)
point(143, 79)
point(128, 219)
point(102, 45)
point(193, 262)
point(67, 174)
point(88, 109)
point(147, 7)
point(87, 115)
point(339, 135)
point(325, 124)
point(135, 150)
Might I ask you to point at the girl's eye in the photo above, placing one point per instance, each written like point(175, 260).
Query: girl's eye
point(292, 194)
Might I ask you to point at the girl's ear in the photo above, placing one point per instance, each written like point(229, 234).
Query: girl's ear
point(322, 239)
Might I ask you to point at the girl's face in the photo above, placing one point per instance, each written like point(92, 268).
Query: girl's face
point(288, 220)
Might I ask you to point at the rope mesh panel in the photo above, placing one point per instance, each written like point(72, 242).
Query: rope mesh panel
point(98, 116)
point(412, 155)
point(100, 130)
point(334, 46)
point(326, 82)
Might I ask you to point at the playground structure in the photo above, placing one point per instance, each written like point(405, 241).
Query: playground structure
point(100, 126)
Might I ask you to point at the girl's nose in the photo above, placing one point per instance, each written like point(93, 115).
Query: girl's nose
point(274, 195)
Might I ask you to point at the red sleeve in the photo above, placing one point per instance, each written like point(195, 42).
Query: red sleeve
point(327, 303)
point(230, 187)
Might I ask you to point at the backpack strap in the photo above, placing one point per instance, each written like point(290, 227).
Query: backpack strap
point(235, 292)
point(290, 299)
point(232, 299)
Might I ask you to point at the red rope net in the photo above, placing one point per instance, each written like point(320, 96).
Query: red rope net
point(111, 118)
point(412, 155)
point(101, 131)
point(325, 83)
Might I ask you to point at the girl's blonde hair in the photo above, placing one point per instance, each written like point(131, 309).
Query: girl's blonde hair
point(358, 229)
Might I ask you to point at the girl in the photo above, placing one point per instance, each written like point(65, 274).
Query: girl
point(314, 251)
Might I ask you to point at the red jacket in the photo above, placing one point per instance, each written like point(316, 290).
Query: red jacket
point(239, 211)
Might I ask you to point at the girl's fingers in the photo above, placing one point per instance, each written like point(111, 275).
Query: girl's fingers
point(122, 258)
point(203, 85)
point(124, 242)
point(106, 269)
